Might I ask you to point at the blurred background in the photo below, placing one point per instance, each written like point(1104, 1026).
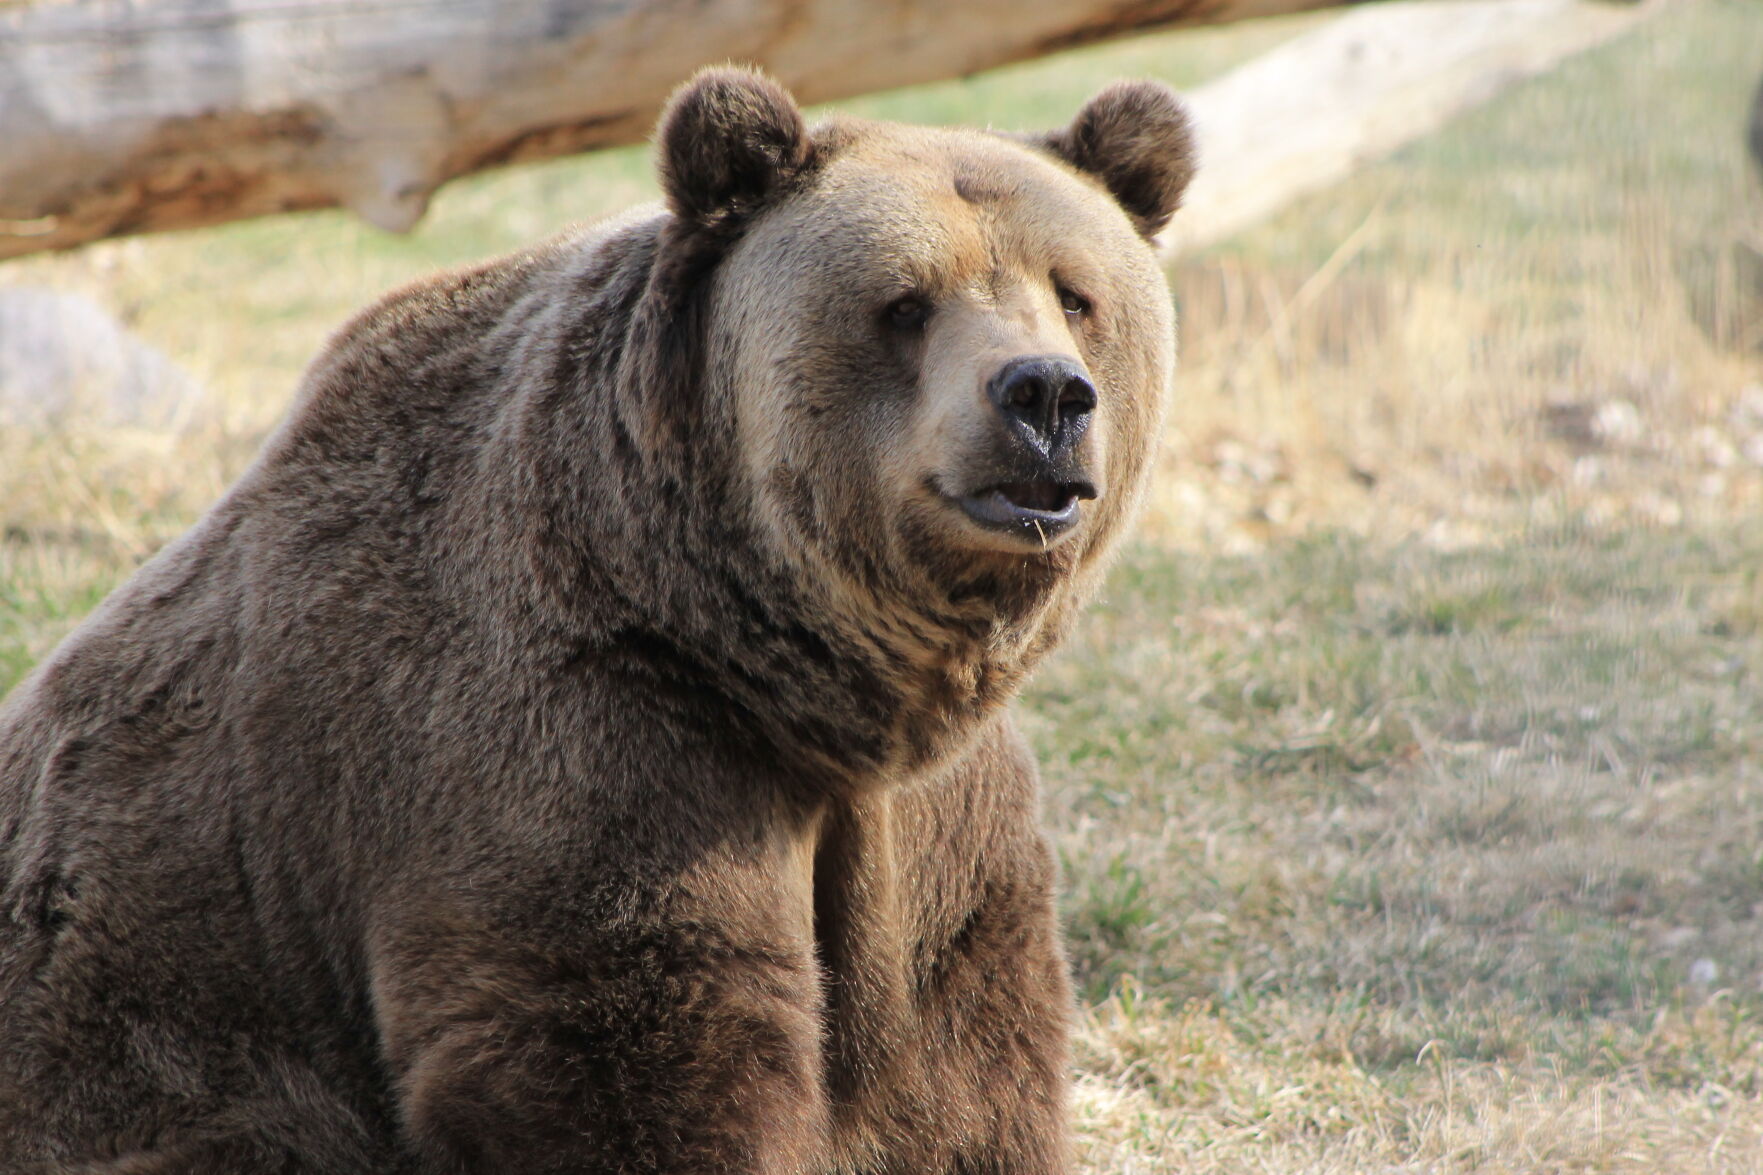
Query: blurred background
point(1408, 781)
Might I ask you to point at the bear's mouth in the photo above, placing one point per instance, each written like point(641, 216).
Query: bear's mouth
point(1035, 510)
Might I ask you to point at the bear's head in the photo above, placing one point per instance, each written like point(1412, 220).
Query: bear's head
point(941, 356)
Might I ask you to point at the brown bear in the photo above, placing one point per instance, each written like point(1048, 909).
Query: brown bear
point(578, 743)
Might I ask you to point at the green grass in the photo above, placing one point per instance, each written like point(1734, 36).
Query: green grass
point(1332, 873)
point(1406, 780)
point(1279, 717)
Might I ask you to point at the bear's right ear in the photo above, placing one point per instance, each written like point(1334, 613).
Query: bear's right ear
point(1137, 139)
point(730, 141)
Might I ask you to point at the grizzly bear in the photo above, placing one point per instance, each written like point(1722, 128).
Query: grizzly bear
point(579, 742)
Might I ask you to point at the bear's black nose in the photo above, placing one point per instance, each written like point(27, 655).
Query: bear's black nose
point(1048, 393)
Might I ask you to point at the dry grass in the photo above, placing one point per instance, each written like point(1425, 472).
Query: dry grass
point(1386, 857)
point(1554, 309)
point(1407, 781)
point(1184, 1090)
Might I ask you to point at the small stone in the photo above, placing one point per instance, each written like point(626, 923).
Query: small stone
point(1617, 422)
point(1660, 509)
point(1713, 447)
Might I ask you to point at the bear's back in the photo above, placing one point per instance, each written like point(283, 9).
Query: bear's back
point(192, 783)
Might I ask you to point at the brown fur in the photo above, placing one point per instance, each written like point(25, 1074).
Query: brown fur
point(578, 743)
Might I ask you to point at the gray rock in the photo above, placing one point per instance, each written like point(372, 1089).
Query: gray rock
point(63, 357)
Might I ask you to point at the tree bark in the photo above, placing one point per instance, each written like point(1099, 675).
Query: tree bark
point(123, 116)
point(1308, 113)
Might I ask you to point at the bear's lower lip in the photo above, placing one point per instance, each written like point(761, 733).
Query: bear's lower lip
point(1036, 510)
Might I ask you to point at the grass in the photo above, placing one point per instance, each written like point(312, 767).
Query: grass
point(1406, 780)
point(1347, 856)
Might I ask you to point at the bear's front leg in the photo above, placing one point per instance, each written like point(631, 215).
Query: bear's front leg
point(995, 1005)
point(672, 1051)
point(956, 1063)
point(989, 999)
point(947, 1044)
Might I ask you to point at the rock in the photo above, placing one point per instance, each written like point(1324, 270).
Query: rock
point(64, 357)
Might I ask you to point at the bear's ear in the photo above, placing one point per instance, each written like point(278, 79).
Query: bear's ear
point(1137, 139)
point(729, 141)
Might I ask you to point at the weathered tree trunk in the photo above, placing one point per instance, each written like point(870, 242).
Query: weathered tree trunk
point(120, 116)
point(1309, 112)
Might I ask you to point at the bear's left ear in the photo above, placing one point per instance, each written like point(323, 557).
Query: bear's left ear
point(1137, 139)
point(730, 140)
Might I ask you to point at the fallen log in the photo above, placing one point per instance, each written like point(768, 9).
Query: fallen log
point(164, 114)
point(124, 116)
point(1309, 112)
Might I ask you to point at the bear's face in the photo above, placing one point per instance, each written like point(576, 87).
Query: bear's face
point(942, 354)
point(949, 337)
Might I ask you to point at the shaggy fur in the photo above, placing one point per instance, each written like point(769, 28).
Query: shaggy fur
point(578, 743)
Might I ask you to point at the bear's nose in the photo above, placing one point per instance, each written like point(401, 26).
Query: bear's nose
point(1048, 393)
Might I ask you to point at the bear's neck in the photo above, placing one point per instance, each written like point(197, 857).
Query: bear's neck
point(850, 698)
point(676, 586)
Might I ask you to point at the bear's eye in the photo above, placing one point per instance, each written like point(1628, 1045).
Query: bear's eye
point(908, 313)
point(1072, 302)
